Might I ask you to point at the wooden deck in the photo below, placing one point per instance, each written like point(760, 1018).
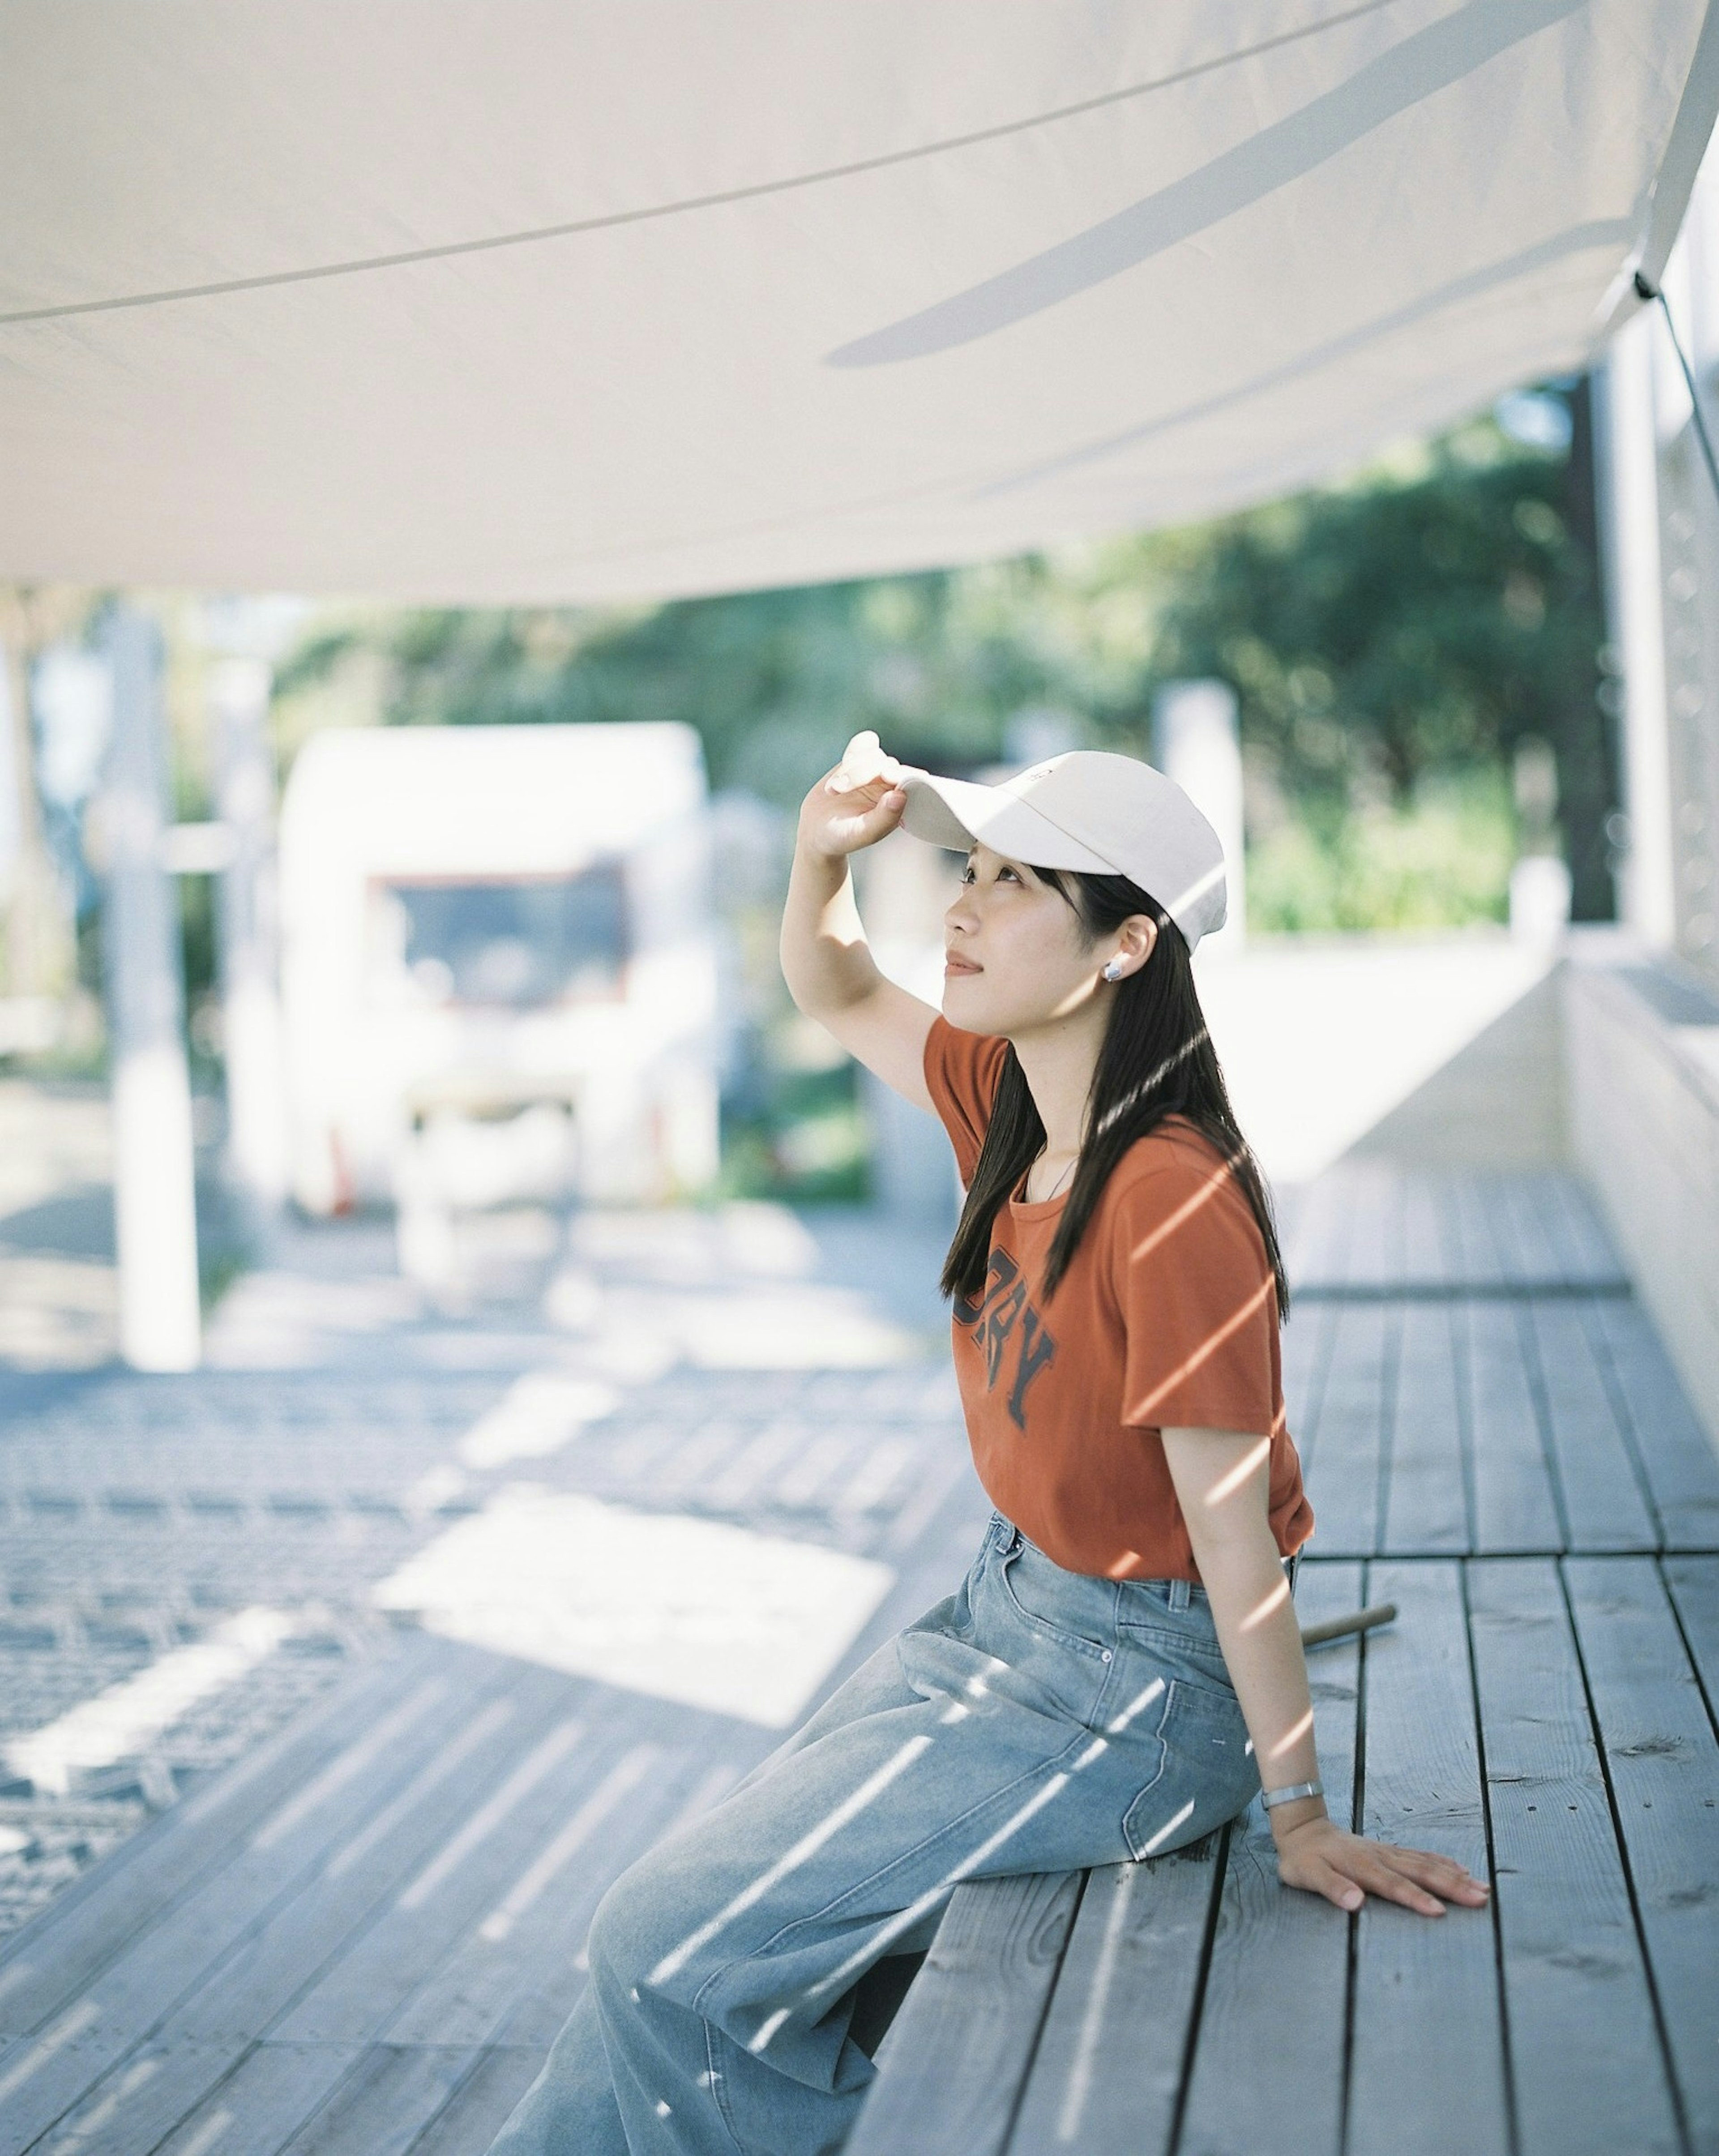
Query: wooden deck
point(1495, 1442)
point(363, 1938)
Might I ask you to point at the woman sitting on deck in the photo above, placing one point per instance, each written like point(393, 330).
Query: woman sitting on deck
point(1122, 1670)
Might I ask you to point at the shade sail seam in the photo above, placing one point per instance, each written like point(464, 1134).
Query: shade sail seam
point(576, 227)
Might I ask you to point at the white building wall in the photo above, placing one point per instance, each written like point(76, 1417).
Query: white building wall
point(1642, 1027)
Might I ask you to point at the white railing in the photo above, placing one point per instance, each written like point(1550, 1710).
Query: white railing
point(1642, 1056)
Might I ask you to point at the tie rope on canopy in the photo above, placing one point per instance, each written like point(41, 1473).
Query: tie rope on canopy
point(1647, 290)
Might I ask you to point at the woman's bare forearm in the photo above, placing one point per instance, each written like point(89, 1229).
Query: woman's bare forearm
point(826, 960)
point(1261, 1639)
point(1222, 1482)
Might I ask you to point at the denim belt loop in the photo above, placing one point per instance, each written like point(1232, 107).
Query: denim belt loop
point(1180, 1594)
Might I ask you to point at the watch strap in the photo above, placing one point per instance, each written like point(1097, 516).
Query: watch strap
point(1287, 1796)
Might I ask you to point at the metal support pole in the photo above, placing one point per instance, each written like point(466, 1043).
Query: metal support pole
point(250, 992)
point(1627, 467)
point(154, 1168)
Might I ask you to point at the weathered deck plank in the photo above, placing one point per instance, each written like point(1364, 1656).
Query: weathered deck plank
point(1108, 2069)
point(467, 1874)
point(261, 2105)
point(1540, 1249)
point(1424, 1988)
point(1603, 1503)
point(1423, 1257)
point(540, 1987)
point(1515, 1498)
point(1263, 2078)
point(71, 2050)
point(1317, 1242)
point(960, 2051)
point(1347, 1457)
point(1481, 1263)
point(1694, 1585)
point(1588, 1259)
point(1589, 2075)
point(1306, 1349)
point(236, 1980)
point(525, 1938)
point(1426, 1493)
point(1375, 1255)
point(95, 1920)
point(1663, 1764)
point(1682, 1466)
point(142, 2097)
point(162, 1959)
point(43, 2076)
point(385, 2103)
point(480, 2106)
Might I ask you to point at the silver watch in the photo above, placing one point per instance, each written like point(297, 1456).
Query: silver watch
point(1270, 1797)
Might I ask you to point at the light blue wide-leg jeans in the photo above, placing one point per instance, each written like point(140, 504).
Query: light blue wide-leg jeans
point(1036, 1720)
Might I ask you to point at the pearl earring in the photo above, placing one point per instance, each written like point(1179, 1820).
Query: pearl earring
point(1113, 972)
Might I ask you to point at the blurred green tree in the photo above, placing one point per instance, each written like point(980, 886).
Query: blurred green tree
point(1412, 627)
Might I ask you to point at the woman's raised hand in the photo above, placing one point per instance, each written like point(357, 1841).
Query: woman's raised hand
point(1327, 1859)
point(857, 804)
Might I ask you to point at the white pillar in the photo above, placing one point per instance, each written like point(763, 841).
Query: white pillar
point(1627, 469)
point(1196, 742)
point(253, 1044)
point(154, 1170)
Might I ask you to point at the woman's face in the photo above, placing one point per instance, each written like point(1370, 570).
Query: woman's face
point(1017, 958)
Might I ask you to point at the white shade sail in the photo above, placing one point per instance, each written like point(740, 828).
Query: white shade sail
point(540, 300)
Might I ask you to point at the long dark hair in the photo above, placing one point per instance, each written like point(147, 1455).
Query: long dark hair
point(1157, 1060)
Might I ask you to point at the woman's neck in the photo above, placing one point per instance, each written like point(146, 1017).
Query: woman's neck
point(1058, 1061)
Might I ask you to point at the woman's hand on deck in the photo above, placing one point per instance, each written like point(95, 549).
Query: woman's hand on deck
point(1327, 1859)
point(855, 804)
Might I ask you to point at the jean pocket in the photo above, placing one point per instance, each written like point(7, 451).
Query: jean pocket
point(1205, 1776)
point(1048, 1599)
point(1191, 1651)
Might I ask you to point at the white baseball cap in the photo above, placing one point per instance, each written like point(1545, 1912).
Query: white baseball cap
point(1087, 809)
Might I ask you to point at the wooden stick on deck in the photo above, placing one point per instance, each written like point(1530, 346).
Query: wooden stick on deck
point(1358, 1620)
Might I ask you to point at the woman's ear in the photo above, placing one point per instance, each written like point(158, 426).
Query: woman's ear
point(1138, 938)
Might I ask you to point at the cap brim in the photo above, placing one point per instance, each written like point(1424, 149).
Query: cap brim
point(958, 813)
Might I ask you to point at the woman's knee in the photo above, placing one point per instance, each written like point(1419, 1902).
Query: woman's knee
point(637, 1925)
point(618, 1946)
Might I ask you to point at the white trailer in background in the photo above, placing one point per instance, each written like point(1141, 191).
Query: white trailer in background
point(498, 969)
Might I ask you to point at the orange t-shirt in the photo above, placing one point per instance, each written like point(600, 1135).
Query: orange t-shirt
point(1166, 1315)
